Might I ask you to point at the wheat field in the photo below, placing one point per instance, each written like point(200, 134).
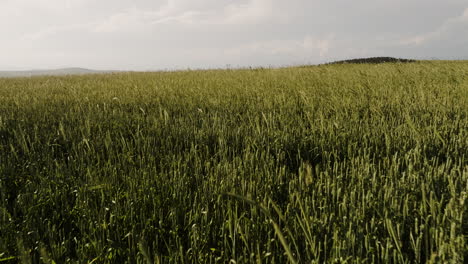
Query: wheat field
point(315, 164)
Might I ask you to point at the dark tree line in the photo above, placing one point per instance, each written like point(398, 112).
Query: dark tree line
point(373, 60)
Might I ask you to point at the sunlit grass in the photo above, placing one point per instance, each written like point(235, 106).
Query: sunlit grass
point(337, 163)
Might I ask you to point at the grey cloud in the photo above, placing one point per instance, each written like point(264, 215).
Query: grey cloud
point(144, 34)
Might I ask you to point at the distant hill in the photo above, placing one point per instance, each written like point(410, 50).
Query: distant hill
point(56, 72)
point(373, 60)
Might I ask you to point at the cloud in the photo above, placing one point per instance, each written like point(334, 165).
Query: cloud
point(302, 50)
point(415, 40)
point(191, 13)
point(250, 12)
point(464, 17)
point(56, 30)
point(132, 19)
point(454, 25)
point(42, 7)
point(153, 34)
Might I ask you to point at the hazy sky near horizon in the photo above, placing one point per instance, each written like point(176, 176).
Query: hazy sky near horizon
point(177, 34)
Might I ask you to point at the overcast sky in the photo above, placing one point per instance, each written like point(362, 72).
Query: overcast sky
point(173, 34)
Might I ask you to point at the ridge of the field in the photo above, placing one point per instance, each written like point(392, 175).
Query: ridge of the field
point(339, 163)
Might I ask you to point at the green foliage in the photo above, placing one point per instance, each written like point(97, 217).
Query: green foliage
point(336, 163)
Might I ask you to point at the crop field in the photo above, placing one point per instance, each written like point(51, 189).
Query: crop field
point(341, 163)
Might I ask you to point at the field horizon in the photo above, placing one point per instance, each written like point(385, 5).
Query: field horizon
point(83, 70)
